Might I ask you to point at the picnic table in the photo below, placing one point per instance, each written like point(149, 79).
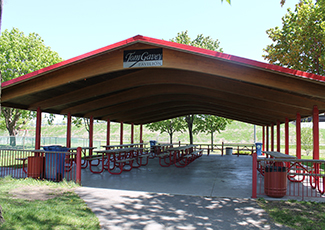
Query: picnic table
point(159, 148)
point(111, 159)
point(180, 156)
point(123, 145)
point(278, 155)
point(84, 163)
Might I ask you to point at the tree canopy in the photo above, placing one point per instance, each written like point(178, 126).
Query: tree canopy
point(169, 126)
point(20, 55)
point(300, 43)
point(199, 41)
point(210, 124)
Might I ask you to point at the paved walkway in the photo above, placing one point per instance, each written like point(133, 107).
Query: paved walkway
point(213, 192)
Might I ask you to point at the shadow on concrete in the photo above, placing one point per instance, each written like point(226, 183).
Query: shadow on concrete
point(121, 209)
point(213, 192)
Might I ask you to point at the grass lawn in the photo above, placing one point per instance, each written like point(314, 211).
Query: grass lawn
point(35, 204)
point(296, 214)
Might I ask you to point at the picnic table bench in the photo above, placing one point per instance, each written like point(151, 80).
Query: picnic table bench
point(179, 156)
point(112, 159)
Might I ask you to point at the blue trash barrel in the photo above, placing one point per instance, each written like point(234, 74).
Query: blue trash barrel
point(152, 143)
point(259, 148)
point(54, 162)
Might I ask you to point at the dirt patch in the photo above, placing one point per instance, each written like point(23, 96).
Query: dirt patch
point(38, 192)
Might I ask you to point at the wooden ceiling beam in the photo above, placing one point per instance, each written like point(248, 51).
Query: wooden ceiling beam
point(280, 81)
point(158, 111)
point(142, 93)
point(189, 100)
point(144, 78)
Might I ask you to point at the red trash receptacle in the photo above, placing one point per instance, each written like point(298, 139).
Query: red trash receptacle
point(275, 181)
point(35, 167)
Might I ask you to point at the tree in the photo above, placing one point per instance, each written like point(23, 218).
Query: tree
point(199, 41)
point(22, 55)
point(307, 139)
point(300, 43)
point(190, 120)
point(169, 126)
point(202, 42)
point(210, 124)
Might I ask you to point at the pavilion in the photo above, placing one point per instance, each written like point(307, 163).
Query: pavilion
point(142, 80)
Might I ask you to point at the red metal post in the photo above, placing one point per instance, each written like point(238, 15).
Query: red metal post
point(286, 134)
point(263, 139)
point(121, 133)
point(132, 133)
point(267, 138)
point(278, 144)
point(141, 141)
point(254, 175)
point(272, 137)
point(108, 134)
point(298, 136)
point(78, 173)
point(38, 128)
point(91, 134)
point(316, 132)
point(69, 130)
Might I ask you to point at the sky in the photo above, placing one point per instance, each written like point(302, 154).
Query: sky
point(75, 27)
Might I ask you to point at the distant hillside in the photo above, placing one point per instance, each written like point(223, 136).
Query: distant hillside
point(236, 132)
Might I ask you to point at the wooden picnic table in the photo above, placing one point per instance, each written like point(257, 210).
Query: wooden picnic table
point(111, 159)
point(123, 145)
point(159, 148)
point(180, 156)
point(84, 163)
point(181, 148)
point(278, 155)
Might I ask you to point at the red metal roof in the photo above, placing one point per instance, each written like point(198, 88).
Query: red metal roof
point(174, 45)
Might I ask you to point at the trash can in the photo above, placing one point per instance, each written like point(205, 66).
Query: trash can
point(35, 167)
point(228, 150)
point(259, 148)
point(275, 181)
point(152, 143)
point(54, 162)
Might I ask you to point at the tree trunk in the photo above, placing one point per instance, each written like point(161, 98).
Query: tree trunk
point(211, 141)
point(171, 138)
point(11, 117)
point(189, 120)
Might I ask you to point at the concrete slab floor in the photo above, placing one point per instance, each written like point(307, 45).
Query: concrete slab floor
point(213, 192)
point(214, 175)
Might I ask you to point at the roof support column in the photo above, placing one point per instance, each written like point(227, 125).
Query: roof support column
point(263, 139)
point(91, 134)
point(69, 130)
point(121, 133)
point(286, 134)
point(267, 138)
point(278, 142)
point(38, 128)
point(132, 133)
point(108, 132)
point(141, 141)
point(298, 136)
point(272, 137)
point(316, 133)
